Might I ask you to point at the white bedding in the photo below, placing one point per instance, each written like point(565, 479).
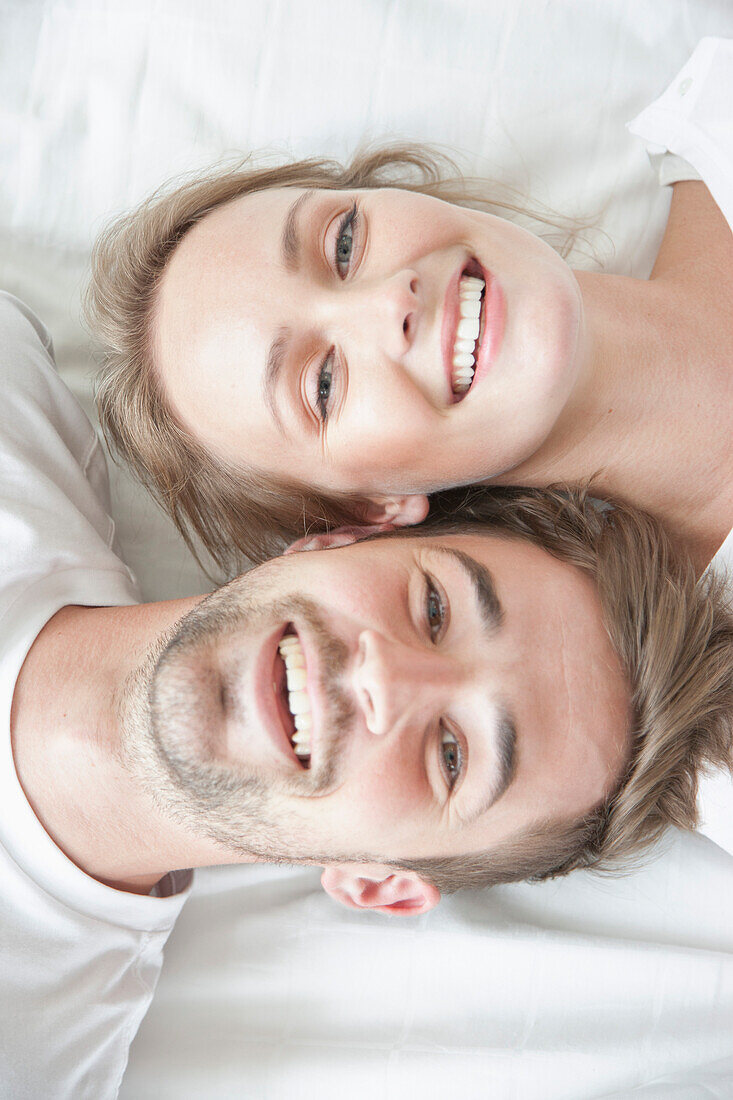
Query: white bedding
point(585, 988)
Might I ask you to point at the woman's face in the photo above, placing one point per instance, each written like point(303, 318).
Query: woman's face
point(315, 335)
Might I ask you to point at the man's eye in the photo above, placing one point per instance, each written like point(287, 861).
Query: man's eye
point(345, 242)
point(435, 610)
point(451, 757)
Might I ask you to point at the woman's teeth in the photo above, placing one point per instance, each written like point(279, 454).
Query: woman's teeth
point(298, 698)
point(470, 292)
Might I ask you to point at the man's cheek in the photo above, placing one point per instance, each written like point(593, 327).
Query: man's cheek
point(381, 801)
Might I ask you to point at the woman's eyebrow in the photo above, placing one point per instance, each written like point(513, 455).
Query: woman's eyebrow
point(273, 369)
point(290, 243)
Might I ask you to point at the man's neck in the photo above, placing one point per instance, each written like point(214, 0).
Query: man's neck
point(67, 743)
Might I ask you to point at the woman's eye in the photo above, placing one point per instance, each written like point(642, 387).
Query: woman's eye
point(435, 610)
point(345, 242)
point(451, 757)
point(325, 381)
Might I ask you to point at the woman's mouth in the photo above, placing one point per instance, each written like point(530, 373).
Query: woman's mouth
point(471, 291)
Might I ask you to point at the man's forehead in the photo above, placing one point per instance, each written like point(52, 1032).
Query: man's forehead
point(545, 601)
point(486, 545)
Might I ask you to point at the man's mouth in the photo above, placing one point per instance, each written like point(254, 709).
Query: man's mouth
point(290, 683)
point(469, 330)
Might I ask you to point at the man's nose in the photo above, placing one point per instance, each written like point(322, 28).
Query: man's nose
point(382, 312)
point(394, 682)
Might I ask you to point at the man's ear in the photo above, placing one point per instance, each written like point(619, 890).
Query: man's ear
point(401, 511)
point(340, 536)
point(380, 888)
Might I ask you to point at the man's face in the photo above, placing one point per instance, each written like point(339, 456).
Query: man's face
point(452, 691)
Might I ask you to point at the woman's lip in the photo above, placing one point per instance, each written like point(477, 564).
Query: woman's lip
point(493, 313)
point(448, 329)
point(493, 324)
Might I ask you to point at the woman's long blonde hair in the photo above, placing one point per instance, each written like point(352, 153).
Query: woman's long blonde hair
point(237, 514)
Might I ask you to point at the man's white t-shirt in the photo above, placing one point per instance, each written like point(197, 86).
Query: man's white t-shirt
point(78, 960)
point(688, 133)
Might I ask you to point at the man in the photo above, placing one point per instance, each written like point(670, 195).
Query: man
point(418, 713)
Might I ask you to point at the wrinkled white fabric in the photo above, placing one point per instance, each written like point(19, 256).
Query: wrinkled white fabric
point(574, 990)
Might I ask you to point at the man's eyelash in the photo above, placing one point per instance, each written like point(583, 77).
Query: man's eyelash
point(449, 739)
point(433, 591)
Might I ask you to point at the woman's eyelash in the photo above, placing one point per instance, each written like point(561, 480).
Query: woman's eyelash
point(342, 255)
point(345, 240)
point(323, 386)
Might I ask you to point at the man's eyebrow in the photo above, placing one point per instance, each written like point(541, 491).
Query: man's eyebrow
point(273, 368)
point(506, 752)
point(483, 585)
point(290, 244)
point(492, 614)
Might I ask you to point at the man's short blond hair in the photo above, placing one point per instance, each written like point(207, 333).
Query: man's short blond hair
point(674, 636)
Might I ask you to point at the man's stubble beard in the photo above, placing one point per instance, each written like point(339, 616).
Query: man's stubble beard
point(248, 814)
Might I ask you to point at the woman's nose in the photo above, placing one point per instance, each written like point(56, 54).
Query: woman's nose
point(394, 682)
point(383, 312)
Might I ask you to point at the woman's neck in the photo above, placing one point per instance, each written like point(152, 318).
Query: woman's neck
point(651, 419)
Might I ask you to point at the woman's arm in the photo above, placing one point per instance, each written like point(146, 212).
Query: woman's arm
point(697, 243)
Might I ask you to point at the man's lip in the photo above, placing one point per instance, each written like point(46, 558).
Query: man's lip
point(313, 687)
point(267, 696)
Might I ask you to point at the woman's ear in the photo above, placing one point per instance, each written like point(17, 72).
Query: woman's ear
point(380, 514)
point(401, 511)
point(381, 888)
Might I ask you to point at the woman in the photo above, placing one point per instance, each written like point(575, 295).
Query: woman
point(302, 347)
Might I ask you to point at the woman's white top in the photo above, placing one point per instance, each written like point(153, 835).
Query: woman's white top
point(693, 120)
point(688, 133)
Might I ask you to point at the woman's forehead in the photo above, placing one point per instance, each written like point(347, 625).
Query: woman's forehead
point(210, 306)
point(230, 234)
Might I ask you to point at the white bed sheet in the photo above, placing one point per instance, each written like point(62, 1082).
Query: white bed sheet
point(560, 991)
point(582, 988)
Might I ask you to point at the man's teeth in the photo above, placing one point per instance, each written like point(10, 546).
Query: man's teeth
point(298, 698)
point(470, 291)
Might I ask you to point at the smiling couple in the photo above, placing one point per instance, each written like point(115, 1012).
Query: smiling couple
point(525, 683)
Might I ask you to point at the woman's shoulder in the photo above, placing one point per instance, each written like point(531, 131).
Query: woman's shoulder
point(697, 246)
